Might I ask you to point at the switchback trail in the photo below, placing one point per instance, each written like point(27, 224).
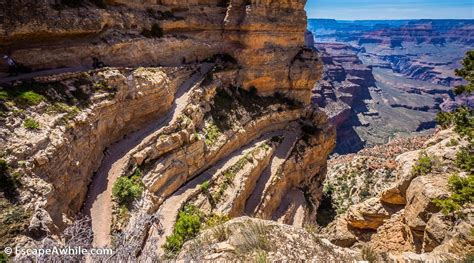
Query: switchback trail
point(168, 211)
point(281, 153)
point(98, 204)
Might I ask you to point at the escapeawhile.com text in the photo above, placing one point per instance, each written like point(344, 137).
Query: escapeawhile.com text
point(66, 251)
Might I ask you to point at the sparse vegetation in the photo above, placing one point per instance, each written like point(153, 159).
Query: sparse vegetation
point(29, 98)
point(3, 166)
point(234, 104)
point(58, 97)
point(221, 233)
point(216, 219)
point(423, 165)
point(59, 107)
point(462, 119)
point(465, 159)
point(127, 189)
point(369, 255)
point(462, 192)
point(469, 258)
point(254, 238)
point(229, 175)
point(466, 72)
point(211, 132)
point(204, 187)
point(262, 257)
point(9, 181)
point(453, 142)
point(3, 257)
point(103, 86)
point(31, 124)
point(13, 219)
point(187, 226)
point(123, 213)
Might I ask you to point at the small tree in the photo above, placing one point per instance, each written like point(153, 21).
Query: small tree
point(462, 192)
point(423, 165)
point(462, 119)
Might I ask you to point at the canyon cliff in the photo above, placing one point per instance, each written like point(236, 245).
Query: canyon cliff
point(266, 41)
point(212, 93)
point(197, 135)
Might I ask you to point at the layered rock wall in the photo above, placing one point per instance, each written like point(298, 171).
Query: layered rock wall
point(65, 156)
point(265, 37)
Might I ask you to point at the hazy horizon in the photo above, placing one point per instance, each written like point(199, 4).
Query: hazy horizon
point(390, 10)
point(402, 19)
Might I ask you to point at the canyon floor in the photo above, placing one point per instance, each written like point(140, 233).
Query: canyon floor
point(387, 78)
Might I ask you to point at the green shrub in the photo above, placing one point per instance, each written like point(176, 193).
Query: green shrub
point(212, 132)
point(462, 118)
point(423, 165)
point(204, 187)
point(29, 98)
point(466, 72)
point(127, 189)
point(453, 142)
point(469, 258)
point(3, 257)
point(9, 181)
point(4, 95)
point(465, 159)
point(123, 213)
point(31, 124)
point(462, 193)
point(187, 226)
point(216, 219)
point(173, 244)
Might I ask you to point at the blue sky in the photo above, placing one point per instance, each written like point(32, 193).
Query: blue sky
point(385, 9)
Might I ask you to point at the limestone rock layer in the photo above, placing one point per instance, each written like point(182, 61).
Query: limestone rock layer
point(265, 37)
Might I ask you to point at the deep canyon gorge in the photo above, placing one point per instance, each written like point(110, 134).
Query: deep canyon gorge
point(212, 131)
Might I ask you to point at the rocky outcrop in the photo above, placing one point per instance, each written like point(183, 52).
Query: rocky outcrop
point(228, 192)
point(303, 168)
point(254, 239)
point(342, 90)
point(267, 45)
point(225, 75)
point(64, 153)
point(403, 219)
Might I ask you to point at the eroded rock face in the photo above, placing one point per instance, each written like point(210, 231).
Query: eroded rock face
point(259, 85)
point(403, 220)
point(279, 242)
point(61, 156)
point(265, 37)
point(229, 191)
